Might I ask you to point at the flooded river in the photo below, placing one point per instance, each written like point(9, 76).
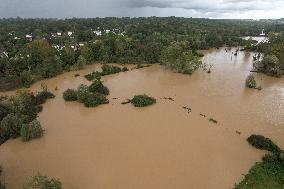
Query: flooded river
point(163, 146)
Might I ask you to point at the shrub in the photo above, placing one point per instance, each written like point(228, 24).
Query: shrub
point(95, 99)
point(260, 142)
point(98, 87)
point(93, 75)
point(43, 182)
point(11, 126)
point(125, 69)
point(250, 82)
point(270, 65)
point(80, 64)
point(31, 131)
point(43, 96)
point(5, 108)
point(82, 92)
point(108, 70)
point(70, 95)
point(26, 79)
point(143, 100)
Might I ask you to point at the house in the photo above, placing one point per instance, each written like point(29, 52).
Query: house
point(59, 34)
point(29, 37)
point(3, 53)
point(16, 38)
point(69, 33)
point(107, 31)
point(262, 33)
point(98, 33)
point(82, 44)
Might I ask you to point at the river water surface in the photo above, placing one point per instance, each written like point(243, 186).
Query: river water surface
point(163, 146)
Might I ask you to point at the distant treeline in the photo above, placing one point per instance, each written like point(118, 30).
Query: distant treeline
point(32, 49)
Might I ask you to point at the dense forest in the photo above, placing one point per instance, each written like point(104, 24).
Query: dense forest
point(34, 49)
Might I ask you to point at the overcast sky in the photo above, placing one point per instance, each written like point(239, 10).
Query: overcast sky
point(135, 8)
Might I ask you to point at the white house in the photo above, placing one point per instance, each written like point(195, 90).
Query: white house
point(262, 33)
point(98, 33)
point(59, 33)
point(29, 37)
point(69, 33)
point(107, 31)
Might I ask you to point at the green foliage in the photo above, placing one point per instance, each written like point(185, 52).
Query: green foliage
point(26, 79)
point(70, 95)
point(264, 175)
point(18, 110)
point(176, 58)
point(98, 87)
point(43, 96)
point(260, 142)
point(273, 61)
point(250, 82)
point(82, 93)
point(270, 172)
point(81, 63)
point(10, 126)
point(43, 182)
point(42, 58)
point(93, 75)
point(90, 96)
point(94, 99)
point(108, 70)
point(31, 131)
point(142, 100)
point(270, 65)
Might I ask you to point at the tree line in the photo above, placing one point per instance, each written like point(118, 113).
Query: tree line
point(33, 49)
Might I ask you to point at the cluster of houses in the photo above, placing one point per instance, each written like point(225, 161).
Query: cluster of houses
point(75, 46)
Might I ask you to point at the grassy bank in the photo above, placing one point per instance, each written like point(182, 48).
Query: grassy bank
point(268, 174)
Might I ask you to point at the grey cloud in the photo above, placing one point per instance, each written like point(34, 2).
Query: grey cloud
point(135, 8)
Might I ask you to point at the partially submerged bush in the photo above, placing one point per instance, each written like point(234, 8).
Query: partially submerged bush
point(31, 131)
point(108, 70)
point(82, 92)
point(93, 75)
point(270, 65)
point(142, 100)
point(95, 99)
point(98, 87)
point(43, 96)
point(19, 110)
point(10, 126)
point(91, 96)
point(250, 82)
point(260, 142)
point(43, 182)
point(70, 95)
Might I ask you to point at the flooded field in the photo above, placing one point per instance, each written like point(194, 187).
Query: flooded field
point(163, 146)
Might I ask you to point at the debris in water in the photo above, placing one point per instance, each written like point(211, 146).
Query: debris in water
point(187, 108)
point(213, 120)
point(126, 102)
point(169, 98)
point(238, 132)
point(76, 75)
point(202, 115)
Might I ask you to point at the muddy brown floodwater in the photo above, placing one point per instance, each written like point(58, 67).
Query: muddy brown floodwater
point(163, 146)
